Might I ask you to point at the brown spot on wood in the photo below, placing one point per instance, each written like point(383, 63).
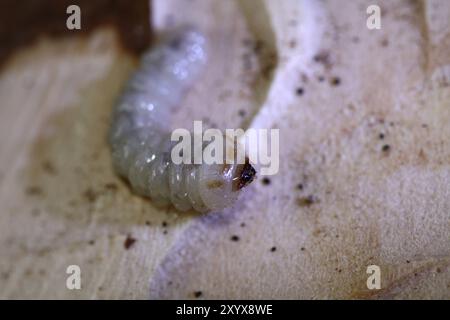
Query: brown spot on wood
point(422, 156)
point(335, 81)
point(48, 167)
point(33, 191)
point(307, 201)
point(129, 242)
point(323, 57)
point(90, 195)
point(386, 148)
point(111, 186)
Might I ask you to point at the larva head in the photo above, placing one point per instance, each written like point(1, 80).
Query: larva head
point(220, 184)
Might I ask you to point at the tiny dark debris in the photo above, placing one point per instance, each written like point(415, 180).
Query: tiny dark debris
point(198, 294)
point(243, 224)
point(234, 238)
point(335, 81)
point(300, 186)
point(302, 249)
point(164, 224)
point(386, 148)
point(129, 241)
point(381, 136)
point(91, 242)
point(323, 58)
point(307, 201)
point(273, 249)
point(299, 91)
point(265, 181)
point(242, 113)
point(148, 223)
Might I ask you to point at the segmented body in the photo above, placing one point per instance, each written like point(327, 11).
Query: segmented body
point(140, 135)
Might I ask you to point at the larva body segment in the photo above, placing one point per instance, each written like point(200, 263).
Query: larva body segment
point(140, 133)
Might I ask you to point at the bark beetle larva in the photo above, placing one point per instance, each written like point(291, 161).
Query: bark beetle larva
point(140, 136)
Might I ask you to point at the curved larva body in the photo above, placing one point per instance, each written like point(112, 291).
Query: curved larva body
point(140, 133)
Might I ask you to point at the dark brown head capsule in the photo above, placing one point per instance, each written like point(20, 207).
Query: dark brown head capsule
point(245, 174)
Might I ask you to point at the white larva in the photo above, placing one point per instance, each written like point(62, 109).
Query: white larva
point(140, 135)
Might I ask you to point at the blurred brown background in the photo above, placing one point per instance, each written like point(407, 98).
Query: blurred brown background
point(22, 23)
